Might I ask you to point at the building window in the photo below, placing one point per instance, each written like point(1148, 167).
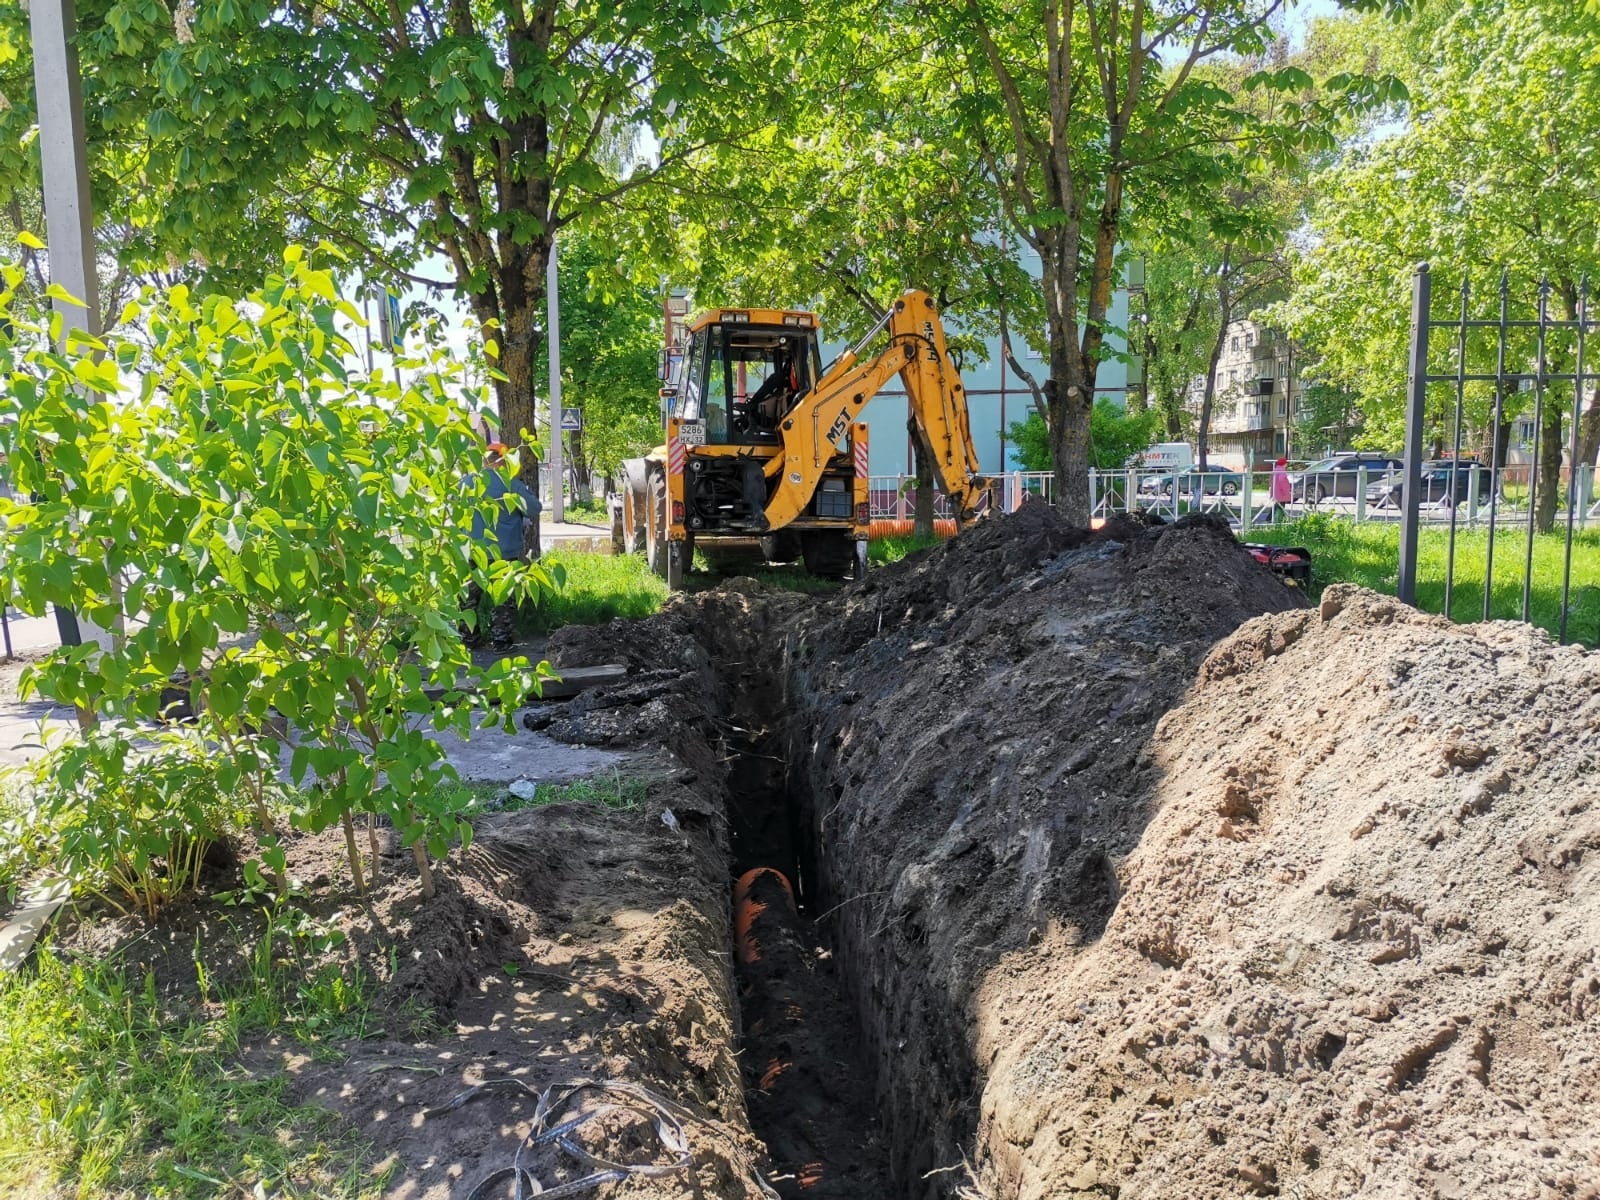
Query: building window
point(1233, 342)
point(1283, 369)
point(1250, 339)
point(1283, 408)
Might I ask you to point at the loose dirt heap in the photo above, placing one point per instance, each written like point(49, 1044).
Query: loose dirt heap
point(1139, 892)
point(973, 729)
point(1358, 947)
point(1121, 872)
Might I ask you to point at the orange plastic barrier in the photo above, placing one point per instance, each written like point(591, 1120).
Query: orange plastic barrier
point(886, 527)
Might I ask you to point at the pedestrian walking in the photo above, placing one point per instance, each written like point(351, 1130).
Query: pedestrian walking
point(506, 540)
point(1282, 489)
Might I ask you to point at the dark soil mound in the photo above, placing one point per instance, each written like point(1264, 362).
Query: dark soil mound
point(975, 730)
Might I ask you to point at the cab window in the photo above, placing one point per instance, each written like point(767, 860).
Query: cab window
point(691, 378)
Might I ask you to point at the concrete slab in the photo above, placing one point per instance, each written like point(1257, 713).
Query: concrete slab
point(495, 756)
point(21, 927)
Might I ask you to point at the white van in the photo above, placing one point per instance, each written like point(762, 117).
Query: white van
point(1165, 458)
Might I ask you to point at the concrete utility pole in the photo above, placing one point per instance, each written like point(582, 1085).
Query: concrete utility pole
point(558, 511)
point(69, 214)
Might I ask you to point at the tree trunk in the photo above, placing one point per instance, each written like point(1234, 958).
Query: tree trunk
point(521, 291)
point(1208, 399)
point(1589, 431)
point(1069, 391)
point(1172, 410)
point(1549, 468)
point(922, 465)
point(1069, 440)
point(582, 476)
point(1497, 442)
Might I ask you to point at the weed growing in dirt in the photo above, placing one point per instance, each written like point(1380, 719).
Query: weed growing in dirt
point(599, 587)
point(127, 815)
point(1369, 554)
point(107, 1088)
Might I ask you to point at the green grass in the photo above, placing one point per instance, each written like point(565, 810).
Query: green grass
point(625, 795)
point(893, 549)
point(598, 587)
point(107, 1089)
point(593, 513)
point(613, 791)
point(1368, 554)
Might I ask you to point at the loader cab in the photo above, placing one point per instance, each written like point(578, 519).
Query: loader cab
point(743, 370)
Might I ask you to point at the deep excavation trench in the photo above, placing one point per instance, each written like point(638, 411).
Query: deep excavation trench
point(1104, 889)
point(943, 763)
point(806, 1072)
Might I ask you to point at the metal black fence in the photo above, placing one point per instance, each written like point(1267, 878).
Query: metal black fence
point(1514, 351)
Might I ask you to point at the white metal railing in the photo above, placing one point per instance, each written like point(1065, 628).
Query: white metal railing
point(1243, 497)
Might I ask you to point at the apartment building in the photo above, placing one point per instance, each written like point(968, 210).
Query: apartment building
point(1256, 396)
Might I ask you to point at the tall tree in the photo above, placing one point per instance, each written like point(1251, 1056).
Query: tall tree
point(1112, 116)
point(441, 143)
point(1492, 168)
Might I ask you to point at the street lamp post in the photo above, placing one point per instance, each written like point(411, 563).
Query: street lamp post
point(69, 214)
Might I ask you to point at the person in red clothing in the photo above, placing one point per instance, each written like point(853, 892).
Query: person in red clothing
point(1282, 489)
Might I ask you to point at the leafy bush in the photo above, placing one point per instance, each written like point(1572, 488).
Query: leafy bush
point(1115, 435)
point(128, 816)
point(283, 532)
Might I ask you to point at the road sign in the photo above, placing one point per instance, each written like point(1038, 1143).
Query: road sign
point(572, 420)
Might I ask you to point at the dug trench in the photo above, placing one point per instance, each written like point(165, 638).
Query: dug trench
point(1128, 873)
point(944, 764)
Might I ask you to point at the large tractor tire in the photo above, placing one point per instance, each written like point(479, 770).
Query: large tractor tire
point(633, 482)
point(668, 559)
point(656, 547)
point(781, 547)
point(828, 555)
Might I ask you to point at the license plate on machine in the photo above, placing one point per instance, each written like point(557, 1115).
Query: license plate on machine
point(692, 433)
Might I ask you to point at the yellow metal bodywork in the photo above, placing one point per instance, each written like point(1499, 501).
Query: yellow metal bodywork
point(934, 391)
point(811, 431)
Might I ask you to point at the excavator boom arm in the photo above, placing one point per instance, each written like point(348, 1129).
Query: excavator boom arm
point(934, 392)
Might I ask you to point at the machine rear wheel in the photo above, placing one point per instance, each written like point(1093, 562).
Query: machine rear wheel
point(635, 507)
point(781, 547)
point(658, 544)
point(828, 555)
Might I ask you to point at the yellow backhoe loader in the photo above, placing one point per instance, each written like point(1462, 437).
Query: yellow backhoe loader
point(763, 442)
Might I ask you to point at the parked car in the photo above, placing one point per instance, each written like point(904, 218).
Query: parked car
point(1338, 476)
point(1211, 482)
point(1436, 487)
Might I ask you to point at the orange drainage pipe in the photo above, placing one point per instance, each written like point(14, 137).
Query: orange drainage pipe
point(747, 910)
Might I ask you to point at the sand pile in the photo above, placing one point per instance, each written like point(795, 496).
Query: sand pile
point(1358, 946)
